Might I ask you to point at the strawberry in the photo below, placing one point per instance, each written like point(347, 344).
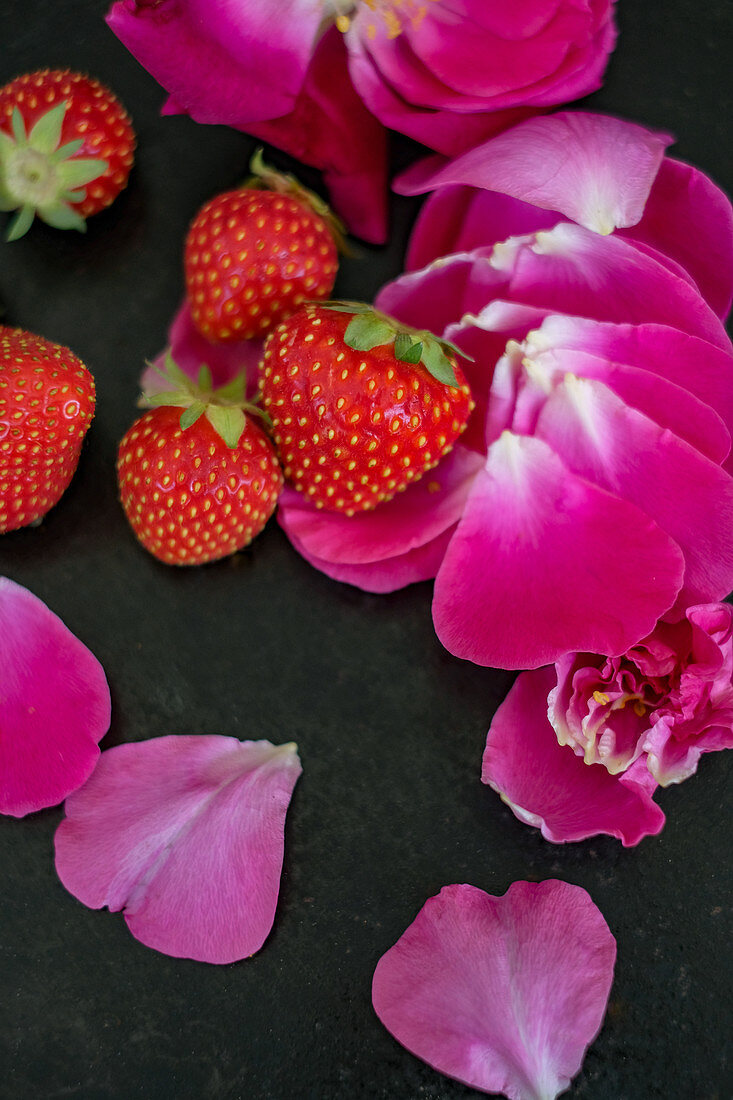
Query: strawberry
point(360, 404)
point(200, 484)
point(66, 149)
point(46, 405)
point(252, 255)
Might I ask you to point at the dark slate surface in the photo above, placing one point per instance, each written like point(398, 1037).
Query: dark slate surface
point(390, 727)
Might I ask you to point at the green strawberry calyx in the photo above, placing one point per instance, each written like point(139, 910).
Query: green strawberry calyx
point(226, 407)
point(40, 176)
point(265, 177)
point(370, 328)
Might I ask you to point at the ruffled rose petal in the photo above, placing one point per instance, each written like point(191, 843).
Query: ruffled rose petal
point(546, 785)
point(223, 61)
point(191, 350)
point(535, 569)
point(502, 993)
point(620, 449)
point(54, 705)
point(186, 835)
point(596, 170)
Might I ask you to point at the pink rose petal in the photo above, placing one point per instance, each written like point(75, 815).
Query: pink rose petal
point(546, 785)
point(620, 449)
point(596, 170)
point(501, 993)
point(223, 61)
point(534, 569)
point(54, 705)
point(569, 269)
point(690, 219)
point(186, 835)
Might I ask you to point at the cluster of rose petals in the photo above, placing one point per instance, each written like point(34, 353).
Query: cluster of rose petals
point(54, 705)
point(446, 74)
point(186, 835)
point(591, 493)
point(579, 748)
point(502, 993)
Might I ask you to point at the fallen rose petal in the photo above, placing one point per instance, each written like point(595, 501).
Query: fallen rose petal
point(54, 705)
point(546, 785)
point(534, 568)
point(501, 993)
point(594, 169)
point(186, 835)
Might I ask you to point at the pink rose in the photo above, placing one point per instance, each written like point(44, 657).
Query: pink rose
point(447, 74)
point(578, 749)
point(591, 494)
point(451, 74)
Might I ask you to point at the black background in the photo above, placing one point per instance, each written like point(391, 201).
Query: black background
point(390, 727)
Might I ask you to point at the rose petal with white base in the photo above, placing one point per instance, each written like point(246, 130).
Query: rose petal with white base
point(186, 835)
point(501, 993)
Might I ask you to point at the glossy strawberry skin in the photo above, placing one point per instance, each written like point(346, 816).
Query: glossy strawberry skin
point(93, 115)
point(190, 498)
point(251, 257)
point(353, 428)
point(47, 399)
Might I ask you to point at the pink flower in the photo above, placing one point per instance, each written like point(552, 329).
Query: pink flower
point(451, 74)
point(54, 705)
point(186, 835)
point(591, 494)
point(578, 748)
point(446, 74)
point(502, 993)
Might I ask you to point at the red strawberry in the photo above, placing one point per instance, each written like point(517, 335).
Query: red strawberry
point(253, 255)
point(360, 405)
point(198, 485)
point(66, 149)
point(46, 406)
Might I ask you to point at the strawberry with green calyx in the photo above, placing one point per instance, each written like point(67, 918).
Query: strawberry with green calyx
point(198, 477)
point(47, 399)
point(361, 405)
point(66, 149)
point(254, 254)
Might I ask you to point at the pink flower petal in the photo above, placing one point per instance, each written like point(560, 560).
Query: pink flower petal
point(688, 361)
point(670, 405)
point(54, 705)
point(410, 567)
point(460, 219)
point(569, 269)
point(330, 128)
point(620, 449)
point(596, 170)
point(690, 219)
point(224, 61)
point(548, 786)
point(426, 509)
point(534, 569)
point(186, 835)
point(502, 993)
point(191, 350)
